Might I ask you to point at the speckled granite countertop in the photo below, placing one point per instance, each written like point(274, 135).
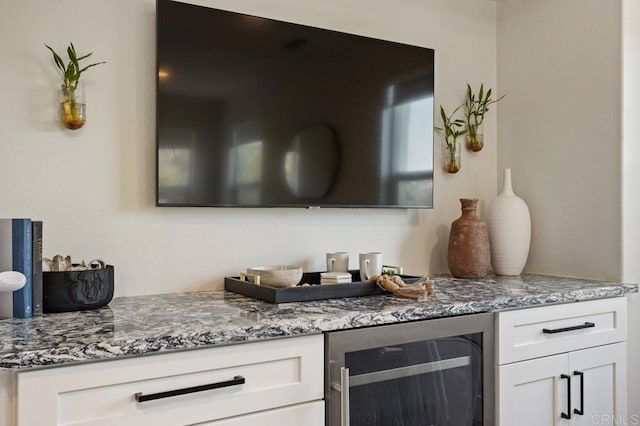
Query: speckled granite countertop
point(147, 324)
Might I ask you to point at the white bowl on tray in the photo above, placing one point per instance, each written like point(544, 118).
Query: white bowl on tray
point(277, 275)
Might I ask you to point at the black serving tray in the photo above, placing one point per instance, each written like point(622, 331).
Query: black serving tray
point(314, 291)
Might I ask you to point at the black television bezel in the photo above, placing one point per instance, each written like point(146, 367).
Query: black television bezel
point(271, 206)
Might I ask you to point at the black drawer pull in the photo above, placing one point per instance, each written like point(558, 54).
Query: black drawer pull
point(237, 380)
point(562, 330)
point(567, 415)
point(581, 410)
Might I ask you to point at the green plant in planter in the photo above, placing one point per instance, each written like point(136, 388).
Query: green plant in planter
point(452, 128)
point(72, 108)
point(475, 107)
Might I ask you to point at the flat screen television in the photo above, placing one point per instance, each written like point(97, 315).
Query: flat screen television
point(255, 112)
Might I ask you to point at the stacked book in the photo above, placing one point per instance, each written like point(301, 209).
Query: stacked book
point(21, 250)
point(335, 277)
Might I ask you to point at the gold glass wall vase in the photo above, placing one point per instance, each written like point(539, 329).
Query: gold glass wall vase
point(475, 137)
point(73, 112)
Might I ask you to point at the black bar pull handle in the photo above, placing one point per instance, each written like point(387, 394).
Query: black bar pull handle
point(581, 410)
point(562, 330)
point(567, 415)
point(237, 380)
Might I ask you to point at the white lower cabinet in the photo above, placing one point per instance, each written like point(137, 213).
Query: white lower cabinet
point(536, 392)
point(577, 387)
point(276, 382)
point(556, 365)
point(600, 387)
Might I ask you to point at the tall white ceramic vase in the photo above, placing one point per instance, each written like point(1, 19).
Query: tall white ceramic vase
point(509, 225)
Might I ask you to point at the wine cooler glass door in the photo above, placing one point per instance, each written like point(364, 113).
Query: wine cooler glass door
point(430, 381)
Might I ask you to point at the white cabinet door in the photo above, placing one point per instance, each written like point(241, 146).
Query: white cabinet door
point(532, 393)
point(535, 392)
point(603, 384)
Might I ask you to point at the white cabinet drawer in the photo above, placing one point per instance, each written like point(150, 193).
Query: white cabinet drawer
point(309, 414)
point(541, 331)
point(277, 373)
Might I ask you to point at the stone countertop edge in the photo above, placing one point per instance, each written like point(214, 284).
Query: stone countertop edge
point(268, 321)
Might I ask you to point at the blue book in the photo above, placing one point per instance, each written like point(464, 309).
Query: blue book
point(16, 253)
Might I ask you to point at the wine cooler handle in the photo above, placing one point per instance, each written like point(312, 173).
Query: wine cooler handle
point(567, 415)
point(344, 396)
point(564, 329)
point(581, 410)
point(237, 380)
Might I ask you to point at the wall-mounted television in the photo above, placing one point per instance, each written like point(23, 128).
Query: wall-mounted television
point(256, 112)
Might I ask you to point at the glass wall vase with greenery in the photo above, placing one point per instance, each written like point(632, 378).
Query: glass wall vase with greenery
point(475, 107)
point(452, 128)
point(72, 104)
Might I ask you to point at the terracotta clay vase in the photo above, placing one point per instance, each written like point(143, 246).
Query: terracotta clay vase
point(469, 252)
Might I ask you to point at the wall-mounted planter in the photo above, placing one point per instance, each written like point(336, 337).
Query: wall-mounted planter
point(475, 137)
point(451, 157)
point(73, 113)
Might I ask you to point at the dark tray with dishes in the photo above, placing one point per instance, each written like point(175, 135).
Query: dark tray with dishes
point(314, 291)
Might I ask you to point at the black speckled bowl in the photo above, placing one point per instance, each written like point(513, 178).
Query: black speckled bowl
point(77, 290)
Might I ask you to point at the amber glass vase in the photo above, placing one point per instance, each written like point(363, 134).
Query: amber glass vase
point(73, 113)
point(475, 137)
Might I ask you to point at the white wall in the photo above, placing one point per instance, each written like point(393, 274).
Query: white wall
point(631, 184)
point(94, 188)
point(559, 129)
point(571, 71)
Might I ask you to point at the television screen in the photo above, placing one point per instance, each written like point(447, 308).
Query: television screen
point(256, 112)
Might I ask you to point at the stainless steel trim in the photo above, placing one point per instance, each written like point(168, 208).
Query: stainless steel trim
point(410, 370)
point(343, 388)
point(344, 399)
